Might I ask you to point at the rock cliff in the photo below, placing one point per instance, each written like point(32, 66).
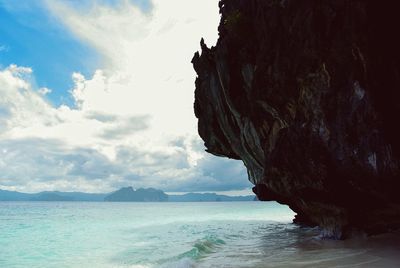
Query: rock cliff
point(306, 94)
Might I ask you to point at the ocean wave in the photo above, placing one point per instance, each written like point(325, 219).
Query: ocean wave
point(201, 248)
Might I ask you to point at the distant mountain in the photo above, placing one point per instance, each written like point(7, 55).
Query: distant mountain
point(128, 194)
point(73, 196)
point(13, 196)
point(50, 196)
point(208, 197)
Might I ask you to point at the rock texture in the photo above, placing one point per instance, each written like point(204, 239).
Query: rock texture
point(306, 94)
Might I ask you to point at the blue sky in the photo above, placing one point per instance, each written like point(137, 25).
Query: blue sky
point(120, 107)
point(31, 36)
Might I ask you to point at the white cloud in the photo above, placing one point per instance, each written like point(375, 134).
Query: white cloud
point(149, 69)
point(44, 91)
point(132, 122)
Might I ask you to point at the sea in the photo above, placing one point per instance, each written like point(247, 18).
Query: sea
point(141, 235)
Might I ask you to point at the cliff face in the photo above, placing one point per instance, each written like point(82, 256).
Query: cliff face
point(306, 94)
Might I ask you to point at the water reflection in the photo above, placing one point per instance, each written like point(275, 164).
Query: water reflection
point(291, 246)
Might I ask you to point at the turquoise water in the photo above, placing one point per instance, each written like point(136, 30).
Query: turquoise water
point(237, 234)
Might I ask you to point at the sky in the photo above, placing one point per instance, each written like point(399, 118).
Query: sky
point(98, 94)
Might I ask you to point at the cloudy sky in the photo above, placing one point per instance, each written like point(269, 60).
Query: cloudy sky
point(98, 94)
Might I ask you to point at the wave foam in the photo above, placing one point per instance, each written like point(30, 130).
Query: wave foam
point(203, 247)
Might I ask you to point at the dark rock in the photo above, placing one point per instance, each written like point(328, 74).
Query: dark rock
point(306, 94)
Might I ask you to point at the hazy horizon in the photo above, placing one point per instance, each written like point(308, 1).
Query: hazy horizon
point(244, 192)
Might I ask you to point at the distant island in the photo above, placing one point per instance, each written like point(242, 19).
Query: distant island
point(125, 194)
point(128, 194)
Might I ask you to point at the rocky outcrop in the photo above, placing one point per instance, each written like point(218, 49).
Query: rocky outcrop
point(306, 94)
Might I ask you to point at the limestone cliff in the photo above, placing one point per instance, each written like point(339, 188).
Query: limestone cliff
point(306, 94)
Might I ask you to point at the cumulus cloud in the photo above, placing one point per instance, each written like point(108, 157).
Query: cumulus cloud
point(132, 122)
point(125, 127)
